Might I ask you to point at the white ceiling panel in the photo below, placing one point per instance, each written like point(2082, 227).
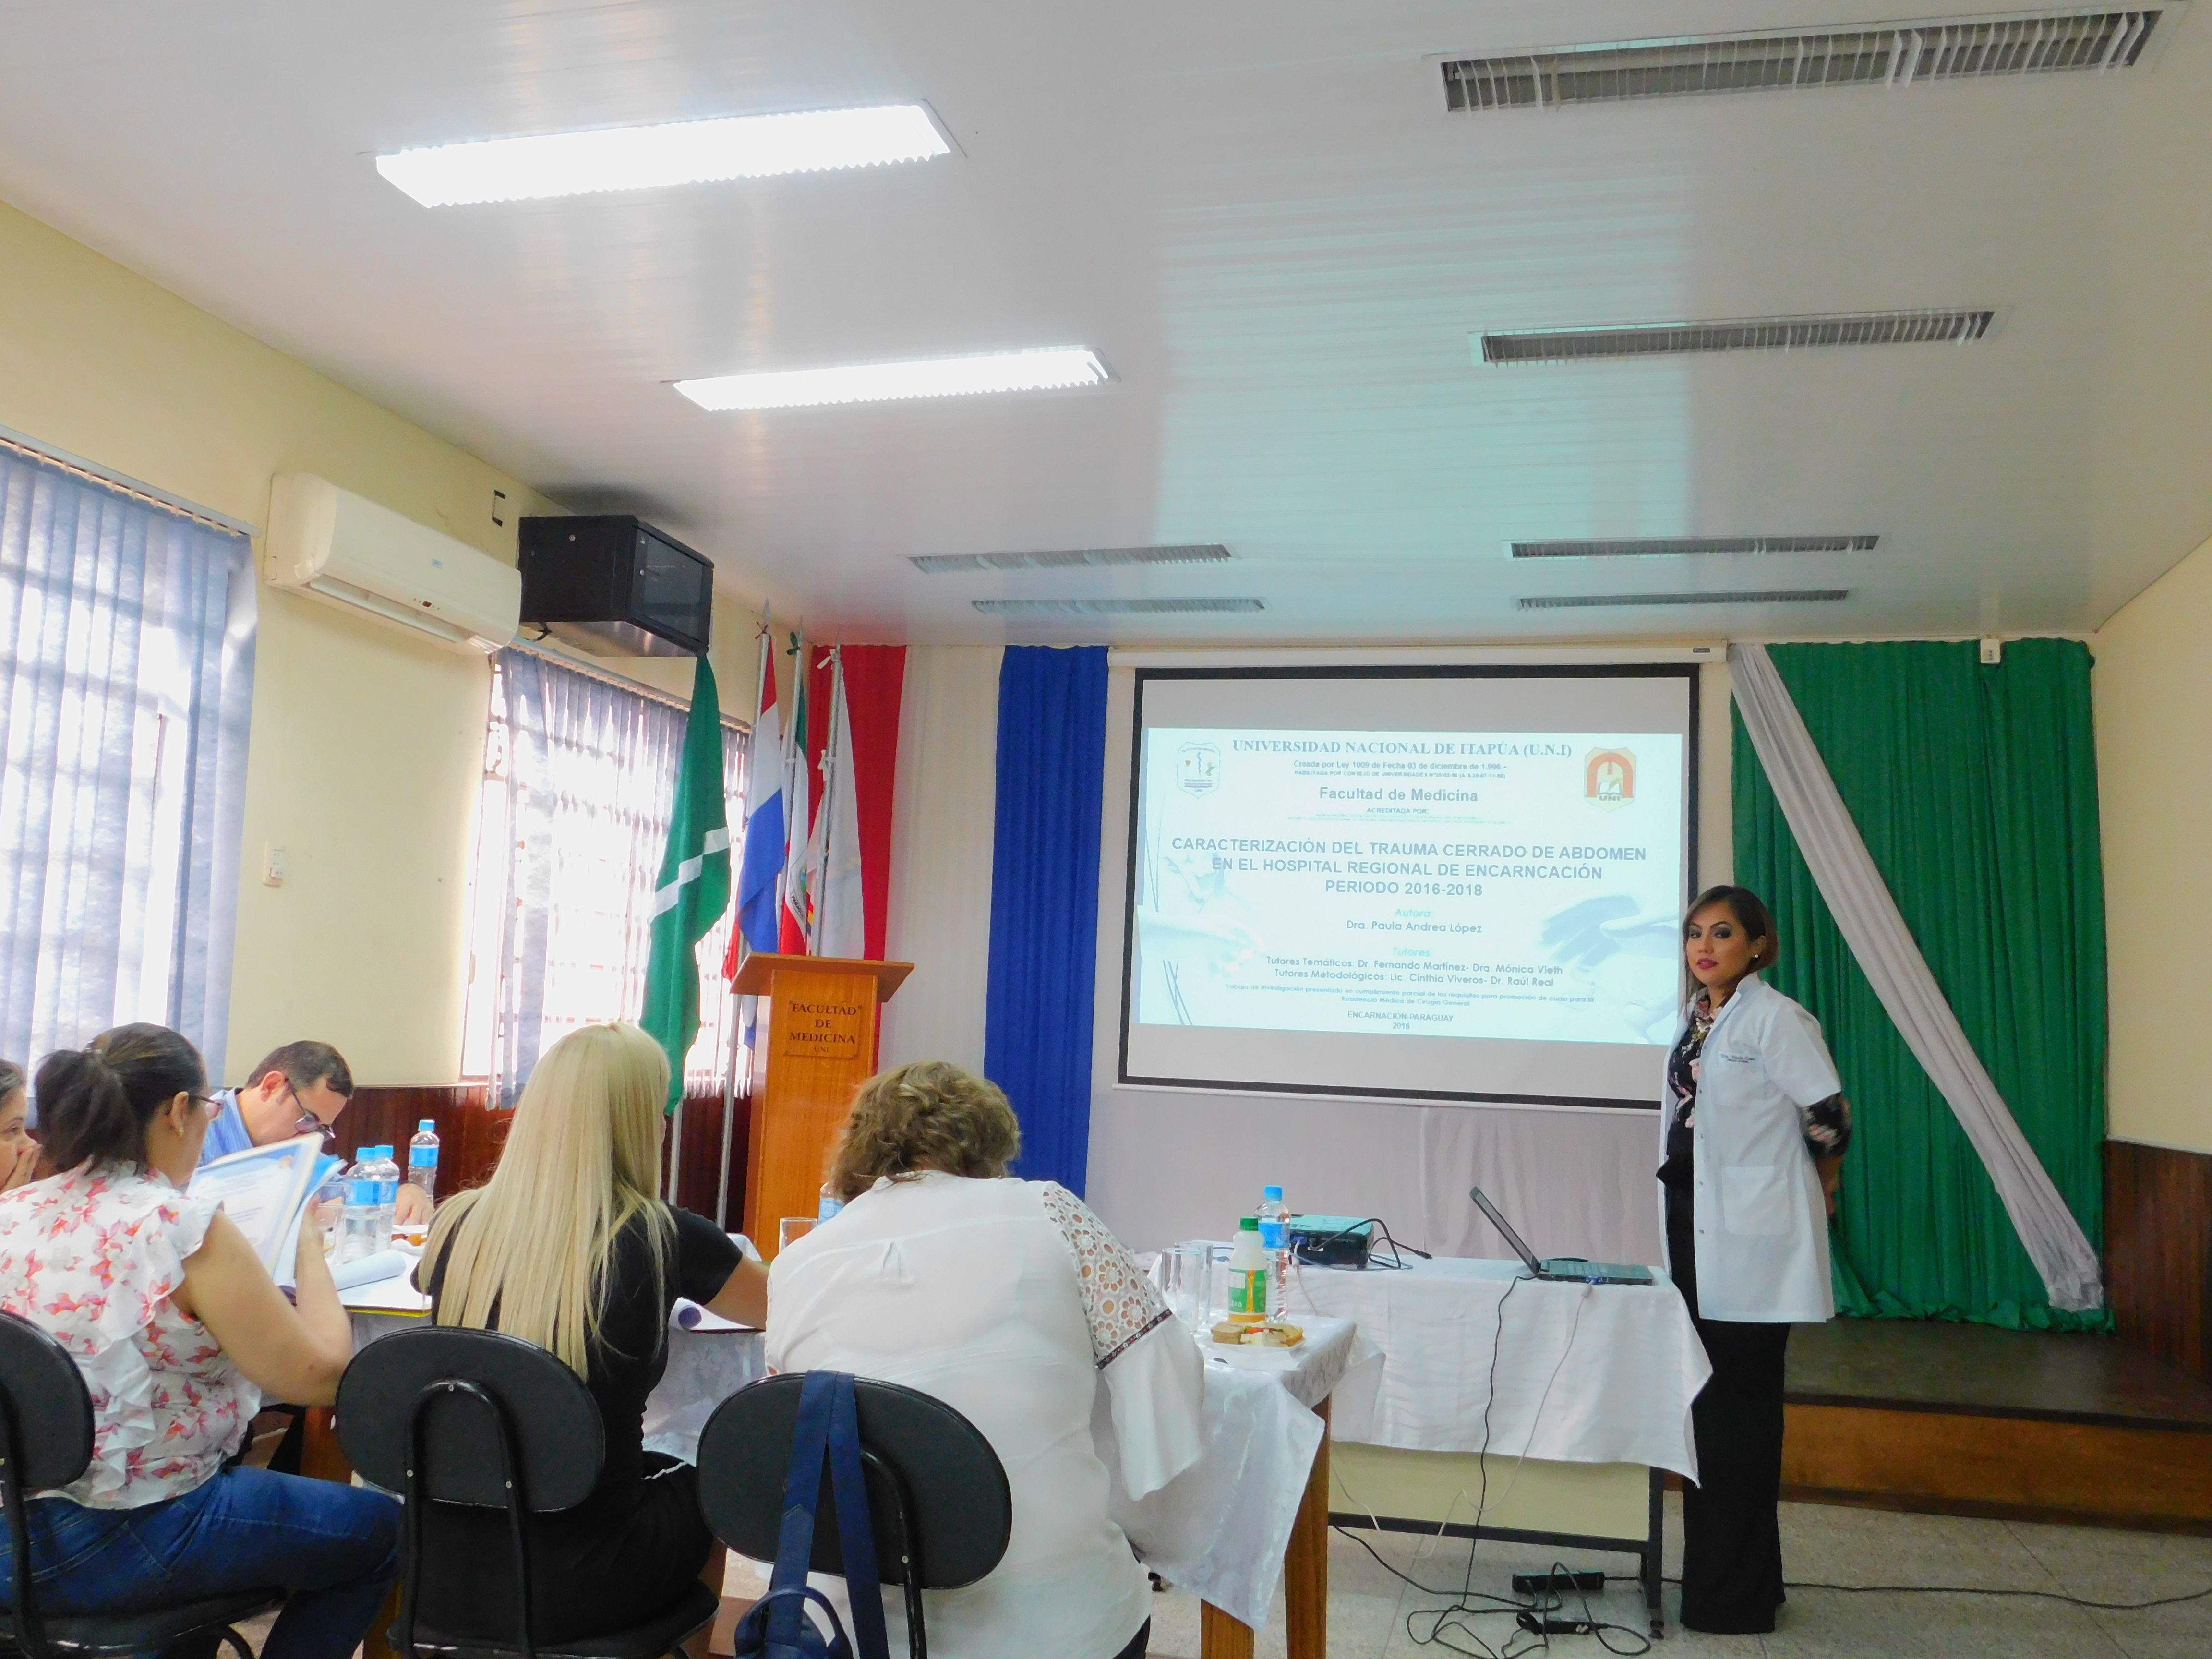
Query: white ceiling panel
point(1259, 216)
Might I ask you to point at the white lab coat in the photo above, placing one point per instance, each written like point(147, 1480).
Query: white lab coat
point(1762, 1238)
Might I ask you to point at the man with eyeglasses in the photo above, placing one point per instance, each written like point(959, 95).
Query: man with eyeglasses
point(298, 1089)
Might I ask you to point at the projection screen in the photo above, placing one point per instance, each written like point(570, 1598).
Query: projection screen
point(1426, 883)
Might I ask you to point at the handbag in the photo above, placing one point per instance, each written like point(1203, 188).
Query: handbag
point(777, 1626)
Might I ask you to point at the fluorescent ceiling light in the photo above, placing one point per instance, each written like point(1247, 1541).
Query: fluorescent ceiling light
point(1111, 607)
point(1042, 369)
point(675, 153)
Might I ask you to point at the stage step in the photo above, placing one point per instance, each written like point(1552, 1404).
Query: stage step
point(1970, 1420)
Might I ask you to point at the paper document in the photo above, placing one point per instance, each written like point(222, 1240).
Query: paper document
point(265, 1191)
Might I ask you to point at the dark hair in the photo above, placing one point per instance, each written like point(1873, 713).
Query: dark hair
point(1752, 915)
point(94, 1102)
point(11, 1077)
point(306, 1064)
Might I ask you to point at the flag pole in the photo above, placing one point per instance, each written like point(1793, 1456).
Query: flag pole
point(793, 832)
point(831, 756)
point(767, 637)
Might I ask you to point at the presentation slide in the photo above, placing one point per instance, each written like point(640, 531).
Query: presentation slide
point(1458, 887)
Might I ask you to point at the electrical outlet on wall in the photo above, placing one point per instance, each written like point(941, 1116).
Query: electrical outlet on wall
point(272, 865)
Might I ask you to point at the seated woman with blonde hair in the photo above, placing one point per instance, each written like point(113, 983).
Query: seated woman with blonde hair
point(568, 1246)
point(1011, 1302)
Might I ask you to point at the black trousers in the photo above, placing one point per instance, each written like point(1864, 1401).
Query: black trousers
point(1731, 1528)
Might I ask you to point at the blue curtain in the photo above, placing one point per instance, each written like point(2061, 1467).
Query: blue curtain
point(1044, 900)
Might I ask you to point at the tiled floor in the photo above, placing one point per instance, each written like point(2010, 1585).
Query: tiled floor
point(1369, 1608)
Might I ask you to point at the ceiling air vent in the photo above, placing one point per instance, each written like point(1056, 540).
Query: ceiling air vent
point(1880, 54)
point(1558, 345)
point(1680, 546)
point(1741, 596)
point(1109, 607)
point(938, 564)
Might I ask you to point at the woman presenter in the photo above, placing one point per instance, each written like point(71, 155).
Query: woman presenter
point(1754, 1126)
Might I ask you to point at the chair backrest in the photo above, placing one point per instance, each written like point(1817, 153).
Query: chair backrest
point(955, 1494)
point(49, 1411)
point(46, 1440)
point(558, 1442)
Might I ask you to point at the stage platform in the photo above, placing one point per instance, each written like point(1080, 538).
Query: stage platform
point(1969, 1419)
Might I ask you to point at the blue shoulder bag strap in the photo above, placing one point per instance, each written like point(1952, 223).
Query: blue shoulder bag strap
point(856, 1535)
point(802, 1488)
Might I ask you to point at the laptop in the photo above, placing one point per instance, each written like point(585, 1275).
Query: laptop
point(1566, 1269)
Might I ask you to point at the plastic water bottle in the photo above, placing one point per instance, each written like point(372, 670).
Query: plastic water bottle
point(387, 1196)
point(1248, 1275)
point(360, 1223)
point(328, 1212)
point(422, 1158)
point(1274, 1219)
point(829, 1205)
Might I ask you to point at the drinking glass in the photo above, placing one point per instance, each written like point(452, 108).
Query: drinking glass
point(792, 1229)
point(1182, 1282)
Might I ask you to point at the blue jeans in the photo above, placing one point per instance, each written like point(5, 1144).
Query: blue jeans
point(332, 1549)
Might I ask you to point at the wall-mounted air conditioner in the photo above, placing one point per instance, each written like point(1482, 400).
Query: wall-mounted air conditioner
point(333, 545)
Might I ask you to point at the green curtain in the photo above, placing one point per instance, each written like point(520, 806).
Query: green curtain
point(1975, 790)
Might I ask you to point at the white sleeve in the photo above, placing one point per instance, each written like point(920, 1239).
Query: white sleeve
point(1797, 1057)
point(1154, 1375)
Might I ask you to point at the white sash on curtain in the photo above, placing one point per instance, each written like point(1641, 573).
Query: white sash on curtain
point(1887, 954)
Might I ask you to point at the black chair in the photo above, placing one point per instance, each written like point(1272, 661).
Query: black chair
point(45, 1441)
point(475, 1418)
point(938, 1500)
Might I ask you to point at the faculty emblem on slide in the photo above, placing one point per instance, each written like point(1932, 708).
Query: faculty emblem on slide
point(1610, 778)
point(1198, 767)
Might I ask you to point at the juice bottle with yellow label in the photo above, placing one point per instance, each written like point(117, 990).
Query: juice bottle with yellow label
point(1248, 1274)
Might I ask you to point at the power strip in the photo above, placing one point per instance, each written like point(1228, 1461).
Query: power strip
point(1539, 1626)
point(1546, 1584)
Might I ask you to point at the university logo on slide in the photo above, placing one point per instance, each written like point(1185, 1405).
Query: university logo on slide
point(1610, 778)
point(1198, 767)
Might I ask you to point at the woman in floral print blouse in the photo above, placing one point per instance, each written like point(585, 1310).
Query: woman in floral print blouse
point(179, 1332)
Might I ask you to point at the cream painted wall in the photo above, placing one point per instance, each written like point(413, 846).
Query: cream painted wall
point(367, 741)
point(2152, 688)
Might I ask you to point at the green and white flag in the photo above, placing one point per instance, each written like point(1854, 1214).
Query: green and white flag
point(694, 889)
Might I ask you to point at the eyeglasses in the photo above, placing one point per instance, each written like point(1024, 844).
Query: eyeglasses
point(308, 1123)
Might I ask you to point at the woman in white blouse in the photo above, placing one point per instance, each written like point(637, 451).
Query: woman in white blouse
point(1011, 1302)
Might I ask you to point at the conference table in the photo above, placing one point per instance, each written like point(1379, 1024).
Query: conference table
point(1252, 1514)
point(1579, 1393)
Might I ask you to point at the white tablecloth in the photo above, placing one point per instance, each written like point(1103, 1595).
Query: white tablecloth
point(706, 1365)
point(1585, 1373)
point(1219, 1529)
point(1220, 1526)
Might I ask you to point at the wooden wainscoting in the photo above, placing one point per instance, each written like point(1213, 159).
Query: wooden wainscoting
point(2158, 1250)
point(700, 1177)
point(470, 1133)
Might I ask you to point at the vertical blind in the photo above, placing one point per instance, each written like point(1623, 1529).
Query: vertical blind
point(572, 817)
point(126, 686)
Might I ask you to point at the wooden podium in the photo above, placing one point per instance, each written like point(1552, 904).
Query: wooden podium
point(818, 1044)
